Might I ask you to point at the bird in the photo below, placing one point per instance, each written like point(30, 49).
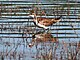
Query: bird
point(44, 22)
point(40, 37)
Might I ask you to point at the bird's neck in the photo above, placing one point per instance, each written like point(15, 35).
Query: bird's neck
point(32, 16)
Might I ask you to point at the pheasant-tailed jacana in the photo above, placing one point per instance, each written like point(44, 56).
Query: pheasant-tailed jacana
point(44, 22)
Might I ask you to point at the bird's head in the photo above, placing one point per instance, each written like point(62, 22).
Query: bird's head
point(33, 15)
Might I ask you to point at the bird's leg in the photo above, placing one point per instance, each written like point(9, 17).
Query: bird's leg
point(43, 30)
point(48, 30)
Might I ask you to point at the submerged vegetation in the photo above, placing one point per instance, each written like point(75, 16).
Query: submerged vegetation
point(20, 39)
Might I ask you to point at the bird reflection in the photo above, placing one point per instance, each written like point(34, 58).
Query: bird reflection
point(42, 37)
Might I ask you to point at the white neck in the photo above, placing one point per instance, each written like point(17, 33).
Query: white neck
point(32, 16)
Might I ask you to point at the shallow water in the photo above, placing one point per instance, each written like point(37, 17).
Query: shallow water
point(14, 47)
point(15, 35)
point(21, 50)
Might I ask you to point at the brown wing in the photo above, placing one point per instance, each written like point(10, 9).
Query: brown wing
point(40, 18)
point(46, 22)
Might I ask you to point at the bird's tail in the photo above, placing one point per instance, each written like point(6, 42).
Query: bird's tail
point(58, 18)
